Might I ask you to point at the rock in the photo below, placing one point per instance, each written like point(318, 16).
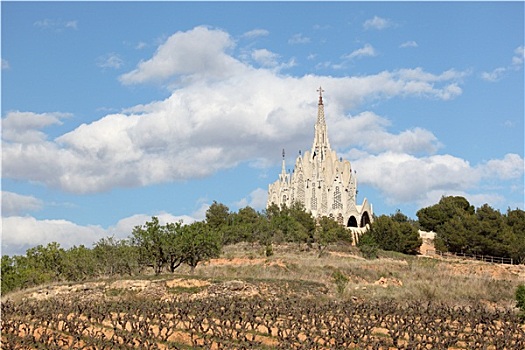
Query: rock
point(234, 285)
point(130, 284)
point(385, 282)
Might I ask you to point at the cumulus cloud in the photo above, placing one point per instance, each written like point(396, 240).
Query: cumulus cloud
point(20, 233)
point(405, 178)
point(265, 57)
point(16, 204)
point(24, 127)
point(510, 167)
point(200, 51)
point(377, 23)
point(375, 138)
point(256, 199)
point(124, 227)
point(207, 124)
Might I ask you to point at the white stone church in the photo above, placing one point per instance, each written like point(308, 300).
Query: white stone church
point(324, 184)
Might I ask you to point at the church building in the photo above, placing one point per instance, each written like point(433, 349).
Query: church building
point(324, 184)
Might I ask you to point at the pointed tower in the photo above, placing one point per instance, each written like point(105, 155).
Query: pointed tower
point(284, 177)
point(325, 184)
point(321, 145)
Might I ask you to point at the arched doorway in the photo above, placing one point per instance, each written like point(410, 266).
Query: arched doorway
point(365, 219)
point(352, 222)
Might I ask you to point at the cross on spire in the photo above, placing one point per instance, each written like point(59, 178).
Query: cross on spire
point(320, 90)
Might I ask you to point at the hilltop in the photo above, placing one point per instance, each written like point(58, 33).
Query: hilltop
point(339, 274)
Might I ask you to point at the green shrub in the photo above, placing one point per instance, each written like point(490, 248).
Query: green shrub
point(368, 246)
point(341, 280)
point(520, 300)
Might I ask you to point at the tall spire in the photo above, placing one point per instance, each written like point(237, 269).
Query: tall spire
point(321, 145)
point(283, 170)
point(320, 109)
point(284, 176)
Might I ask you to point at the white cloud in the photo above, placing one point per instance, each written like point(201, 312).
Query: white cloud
point(510, 167)
point(256, 199)
point(140, 45)
point(374, 137)
point(110, 60)
point(405, 178)
point(410, 43)
point(20, 233)
point(200, 52)
point(5, 64)
point(56, 25)
point(298, 39)
point(476, 199)
point(265, 57)
point(16, 204)
point(495, 75)
point(498, 73)
point(210, 124)
point(517, 59)
point(377, 23)
point(71, 24)
point(366, 51)
point(24, 127)
point(256, 33)
point(124, 227)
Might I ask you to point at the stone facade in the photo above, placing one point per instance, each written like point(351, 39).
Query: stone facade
point(324, 184)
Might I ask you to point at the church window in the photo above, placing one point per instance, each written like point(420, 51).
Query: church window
point(337, 199)
point(313, 202)
point(324, 202)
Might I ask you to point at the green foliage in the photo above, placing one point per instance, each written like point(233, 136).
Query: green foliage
point(340, 280)
point(11, 278)
point(173, 250)
point(245, 226)
point(368, 246)
point(217, 215)
point(520, 300)
point(79, 264)
point(396, 233)
point(483, 231)
point(198, 242)
point(292, 224)
point(268, 250)
point(150, 239)
point(328, 232)
point(458, 225)
point(116, 257)
point(431, 218)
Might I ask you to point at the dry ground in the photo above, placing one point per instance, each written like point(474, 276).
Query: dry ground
point(296, 270)
point(422, 301)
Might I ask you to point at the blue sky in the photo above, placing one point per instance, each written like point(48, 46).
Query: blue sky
point(113, 112)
